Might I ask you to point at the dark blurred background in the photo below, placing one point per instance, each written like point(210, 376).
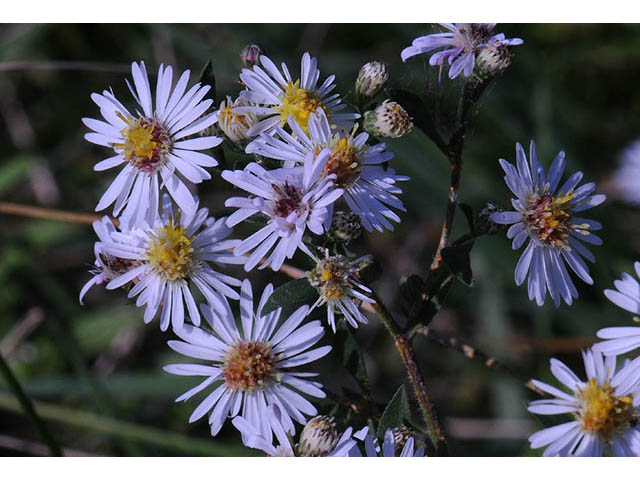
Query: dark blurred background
point(97, 369)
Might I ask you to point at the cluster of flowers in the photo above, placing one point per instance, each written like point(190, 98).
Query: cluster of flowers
point(605, 407)
point(162, 247)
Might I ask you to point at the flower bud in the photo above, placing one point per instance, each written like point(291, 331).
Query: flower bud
point(251, 54)
point(371, 79)
point(389, 119)
point(483, 224)
point(346, 226)
point(319, 437)
point(233, 124)
point(492, 60)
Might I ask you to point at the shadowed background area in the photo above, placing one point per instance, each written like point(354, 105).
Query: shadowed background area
point(96, 370)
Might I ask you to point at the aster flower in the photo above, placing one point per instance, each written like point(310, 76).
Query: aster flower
point(279, 97)
point(369, 188)
point(605, 409)
point(458, 46)
point(107, 267)
point(250, 367)
point(153, 143)
point(335, 278)
point(545, 215)
point(627, 177)
point(171, 253)
point(294, 200)
point(621, 340)
point(252, 438)
point(395, 444)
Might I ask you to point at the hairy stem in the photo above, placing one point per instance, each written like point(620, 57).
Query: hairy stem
point(405, 348)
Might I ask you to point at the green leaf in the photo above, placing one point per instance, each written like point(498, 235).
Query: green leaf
point(411, 287)
point(396, 413)
point(207, 78)
point(295, 292)
point(458, 260)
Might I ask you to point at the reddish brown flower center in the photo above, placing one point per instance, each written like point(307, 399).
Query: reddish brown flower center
point(249, 366)
point(288, 201)
point(549, 219)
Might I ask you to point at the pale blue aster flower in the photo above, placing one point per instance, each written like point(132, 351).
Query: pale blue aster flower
point(545, 215)
point(458, 47)
point(295, 200)
point(251, 365)
point(604, 409)
point(619, 340)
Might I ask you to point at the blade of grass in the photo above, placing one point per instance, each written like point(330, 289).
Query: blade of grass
point(27, 408)
point(63, 335)
point(172, 442)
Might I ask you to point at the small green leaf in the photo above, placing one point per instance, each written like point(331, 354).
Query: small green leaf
point(207, 78)
point(295, 292)
point(396, 413)
point(411, 287)
point(458, 260)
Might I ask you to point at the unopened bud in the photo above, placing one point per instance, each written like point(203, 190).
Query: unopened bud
point(251, 55)
point(346, 226)
point(319, 437)
point(493, 59)
point(389, 119)
point(483, 224)
point(371, 79)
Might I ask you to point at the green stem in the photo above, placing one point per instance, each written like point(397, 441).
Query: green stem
point(27, 407)
point(172, 442)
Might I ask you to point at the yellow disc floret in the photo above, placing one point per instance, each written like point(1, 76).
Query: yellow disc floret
point(146, 143)
point(331, 277)
point(603, 413)
point(299, 104)
point(345, 160)
point(171, 253)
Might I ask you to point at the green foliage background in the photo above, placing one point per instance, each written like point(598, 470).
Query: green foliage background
point(571, 87)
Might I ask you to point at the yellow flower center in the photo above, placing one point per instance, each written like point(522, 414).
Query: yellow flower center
point(146, 143)
point(299, 104)
point(171, 253)
point(549, 219)
point(345, 161)
point(330, 277)
point(603, 413)
point(249, 366)
point(228, 117)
